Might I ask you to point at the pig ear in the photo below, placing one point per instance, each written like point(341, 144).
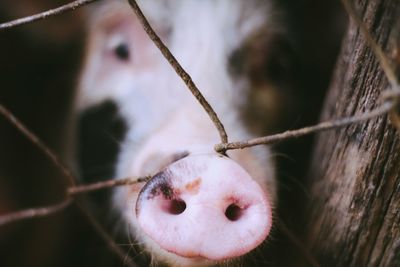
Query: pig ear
point(265, 57)
point(270, 63)
point(118, 50)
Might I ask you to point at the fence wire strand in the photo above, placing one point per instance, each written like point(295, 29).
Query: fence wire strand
point(323, 126)
point(83, 189)
point(7, 114)
point(49, 13)
point(389, 105)
point(180, 71)
point(114, 248)
point(390, 97)
point(34, 212)
point(67, 174)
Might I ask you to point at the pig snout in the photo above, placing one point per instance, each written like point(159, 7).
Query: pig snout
point(206, 207)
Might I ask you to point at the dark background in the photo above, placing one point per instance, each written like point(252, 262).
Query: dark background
point(39, 64)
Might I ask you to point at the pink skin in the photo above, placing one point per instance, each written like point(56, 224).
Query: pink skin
point(204, 206)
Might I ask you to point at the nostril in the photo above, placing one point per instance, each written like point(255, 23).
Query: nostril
point(233, 212)
point(174, 206)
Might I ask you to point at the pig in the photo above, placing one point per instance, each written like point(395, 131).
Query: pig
point(200, 208)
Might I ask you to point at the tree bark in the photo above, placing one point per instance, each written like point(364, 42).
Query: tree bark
point(354, 179)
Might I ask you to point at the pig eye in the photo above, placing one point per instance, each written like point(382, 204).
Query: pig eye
point(121, 51)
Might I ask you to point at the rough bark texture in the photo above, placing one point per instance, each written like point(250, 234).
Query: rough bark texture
point(354, 210)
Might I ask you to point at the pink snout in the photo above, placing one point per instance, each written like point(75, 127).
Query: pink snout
point(204, 206)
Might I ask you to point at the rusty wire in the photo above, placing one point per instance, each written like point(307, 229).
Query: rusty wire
point(180, 71)
point(49, 13)
point(390, 103)
point(390, 99)
point(38, 143)
point(71, 192)
point(34, 212)
point(323, 126)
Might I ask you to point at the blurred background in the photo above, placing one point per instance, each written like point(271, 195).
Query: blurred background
point(39, 64)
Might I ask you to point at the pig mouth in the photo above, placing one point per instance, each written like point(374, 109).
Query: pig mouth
point(206, 257)
point(199, 257)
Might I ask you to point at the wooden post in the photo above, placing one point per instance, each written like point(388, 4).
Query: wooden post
point(354, 210)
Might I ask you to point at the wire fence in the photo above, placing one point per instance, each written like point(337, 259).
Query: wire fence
point(388, 106)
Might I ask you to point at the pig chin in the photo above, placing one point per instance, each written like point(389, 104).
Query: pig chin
point(202, 210)
point(171, 259)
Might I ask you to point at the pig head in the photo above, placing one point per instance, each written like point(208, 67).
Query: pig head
point(200, 208)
